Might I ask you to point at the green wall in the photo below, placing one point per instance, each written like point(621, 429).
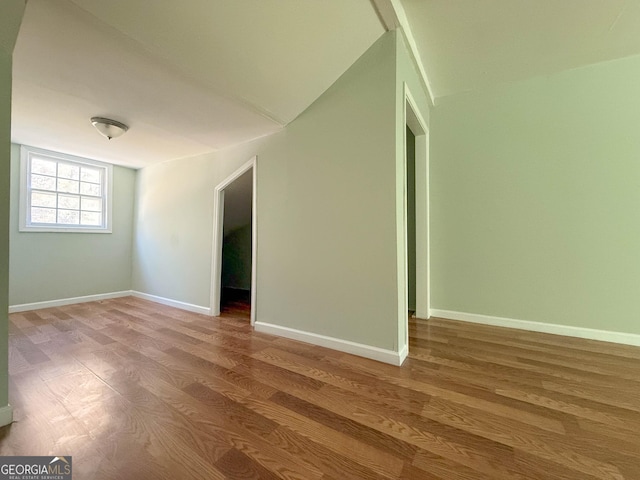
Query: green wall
point(326, 205)
point(5, 144)
point(53, 266)
point(10, 19)
point(236, 259)
point(535, 194)
point(173, 227)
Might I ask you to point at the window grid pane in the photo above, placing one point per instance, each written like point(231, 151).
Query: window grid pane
point(69, 202)
point(90, 204)
point(43, 199)
point(91, 218)
point(68, 186)
point(66, 194)
point(43, 215)
point(41, 182)
point(91, 175)
point(43, 167)
point(90, 189)
point(71, 172)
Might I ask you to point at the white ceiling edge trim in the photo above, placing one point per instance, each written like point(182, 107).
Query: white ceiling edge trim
point(393, 16)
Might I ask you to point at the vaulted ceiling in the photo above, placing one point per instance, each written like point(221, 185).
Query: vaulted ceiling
point(189, 76)
point(471, 44)
point(195, 76)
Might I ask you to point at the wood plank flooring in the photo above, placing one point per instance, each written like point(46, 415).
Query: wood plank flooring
point(136, 390)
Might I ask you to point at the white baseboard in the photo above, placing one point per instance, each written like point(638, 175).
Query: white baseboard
point(374, 353)
point(172, 303)
point(566, 330)
point(6, 415)
point(105, 296)
point(67, 301)
point(404, 353)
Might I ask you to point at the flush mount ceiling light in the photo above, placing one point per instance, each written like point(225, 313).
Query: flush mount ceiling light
point(109, 128)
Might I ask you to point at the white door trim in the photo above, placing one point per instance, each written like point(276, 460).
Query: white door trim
point(415, 121)
point(218, 229)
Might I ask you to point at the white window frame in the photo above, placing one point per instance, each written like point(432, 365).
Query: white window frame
point(26, 154)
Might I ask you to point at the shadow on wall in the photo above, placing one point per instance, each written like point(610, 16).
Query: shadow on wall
point(236, 259)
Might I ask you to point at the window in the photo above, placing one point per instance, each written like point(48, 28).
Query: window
point(60, 192)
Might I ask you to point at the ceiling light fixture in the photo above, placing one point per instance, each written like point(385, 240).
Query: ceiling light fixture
point(109, 128)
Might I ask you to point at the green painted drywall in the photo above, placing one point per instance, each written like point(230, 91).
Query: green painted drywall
point(11, 13)
point(5, 143)
point(326, 193)
point(173, 228)
point(236, 259)
point(74, 264)
point(326, 213)
point(535, 194)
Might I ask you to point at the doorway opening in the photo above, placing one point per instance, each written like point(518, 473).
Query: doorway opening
point(410, 150)
point(233, 284)
point(413, 300)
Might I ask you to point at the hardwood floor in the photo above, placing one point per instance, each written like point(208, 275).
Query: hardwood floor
point(234, 298)
point(137, 390)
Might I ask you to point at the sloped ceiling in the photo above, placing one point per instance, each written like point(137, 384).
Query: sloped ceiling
point(189, 77)
point(470, 44)
point(194, 76)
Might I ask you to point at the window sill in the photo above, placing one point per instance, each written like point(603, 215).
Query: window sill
point(63, 230)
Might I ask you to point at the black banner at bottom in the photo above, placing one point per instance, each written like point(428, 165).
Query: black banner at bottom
point(35, 468)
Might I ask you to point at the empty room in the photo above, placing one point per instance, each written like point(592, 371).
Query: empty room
point(301, 239)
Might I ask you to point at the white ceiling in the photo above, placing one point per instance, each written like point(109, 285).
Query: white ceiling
point(470, 44)
point(188, 77)
point(194, 76)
